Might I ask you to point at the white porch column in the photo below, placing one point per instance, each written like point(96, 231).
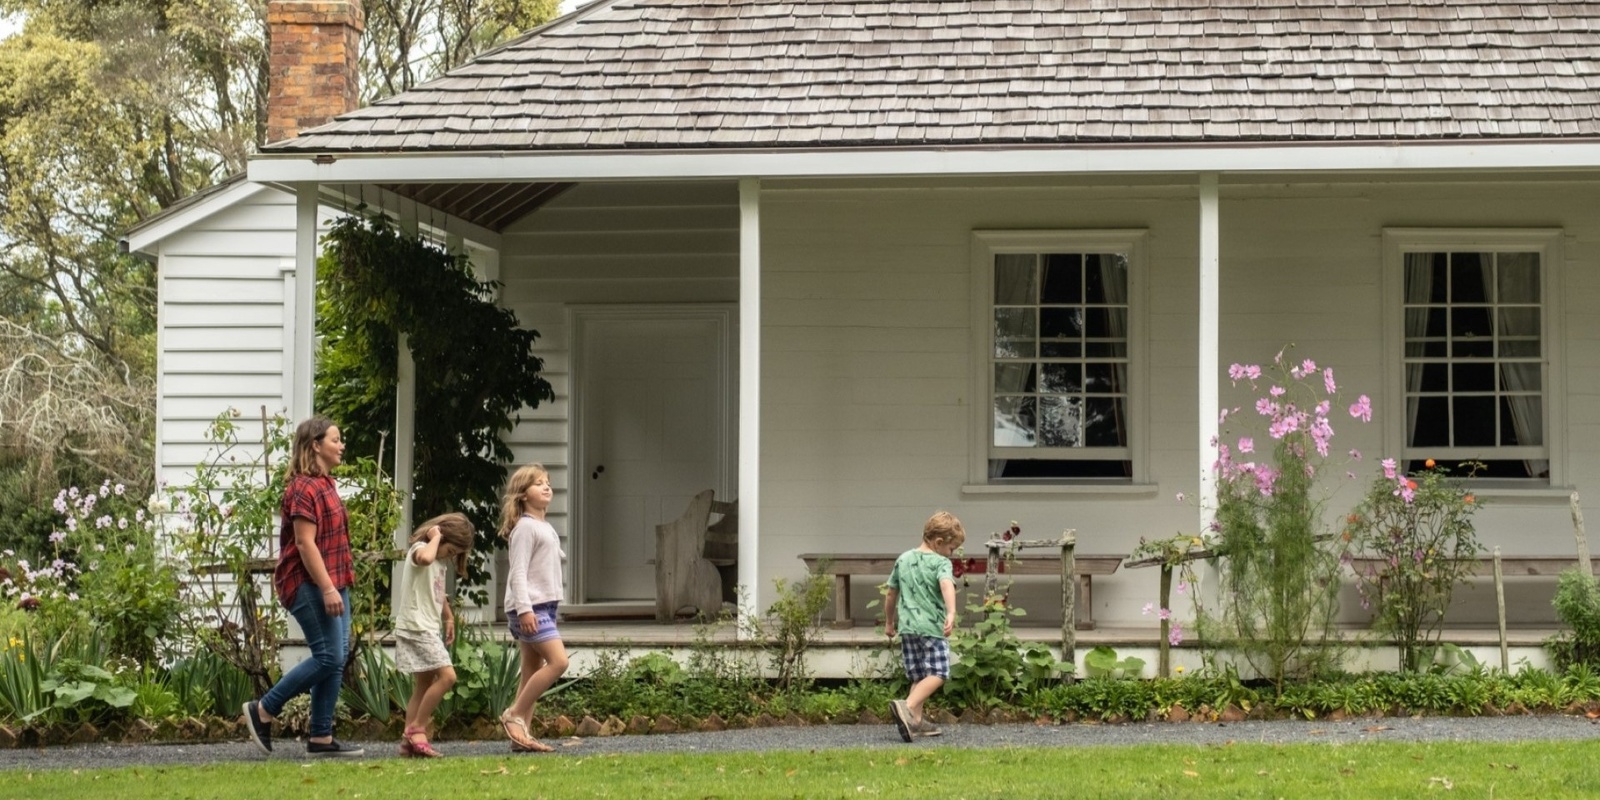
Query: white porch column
point(1207, 340)
point(305, 302)
point(404, 440)
point(749, 406)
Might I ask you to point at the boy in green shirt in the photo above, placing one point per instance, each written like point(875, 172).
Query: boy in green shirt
point(921, 607)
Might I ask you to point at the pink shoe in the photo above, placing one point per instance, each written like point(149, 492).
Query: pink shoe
point(416, 745)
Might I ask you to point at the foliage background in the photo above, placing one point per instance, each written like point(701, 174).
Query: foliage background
point(110, 112)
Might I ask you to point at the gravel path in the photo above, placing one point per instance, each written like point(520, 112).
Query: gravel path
point(1553, 728)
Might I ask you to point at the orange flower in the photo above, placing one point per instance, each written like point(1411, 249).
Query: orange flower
point(1469, 499)
point(1428, 463)
point(1411, 484)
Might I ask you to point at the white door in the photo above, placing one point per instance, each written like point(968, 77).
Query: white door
point(653, 433)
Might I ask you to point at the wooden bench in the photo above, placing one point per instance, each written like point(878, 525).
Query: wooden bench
point(844, 565)
point(1510, 566)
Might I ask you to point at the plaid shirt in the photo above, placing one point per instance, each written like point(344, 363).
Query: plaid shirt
point(312, 497)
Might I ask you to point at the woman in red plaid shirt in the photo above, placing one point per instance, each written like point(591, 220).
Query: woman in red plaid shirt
point(313, 581)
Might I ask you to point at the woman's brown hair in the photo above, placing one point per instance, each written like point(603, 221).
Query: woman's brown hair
point(303, 455)
point(454, 530)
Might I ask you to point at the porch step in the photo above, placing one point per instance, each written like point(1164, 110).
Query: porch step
point(620, 610)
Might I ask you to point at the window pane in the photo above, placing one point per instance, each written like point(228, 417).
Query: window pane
point(1014, 333)
point(1014, 421)
point(1061, 421)
point(1062, 378)
point(1103, 422)
point(1014, 279)
point(1417, 321)
point(1472, 378)
point(1063, 279)
point(1107, 277)
point(1060, 326)
point(1519, 348)
point(1515, 378)
point(1472, 421)
point(1518, 321)
point(1470, 321)
point(1469, 277)
point(1115, 349)
point(1104, 378)
point(1427, 378)
point(1518, 277)
point(1431, 422)
point(1426, 277)
point(1107, 323)
point(1521, 420)
point(1013, 378)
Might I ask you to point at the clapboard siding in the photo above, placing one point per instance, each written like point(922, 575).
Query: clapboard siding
point(867, 349)
point(222, 324)
point(599, 243)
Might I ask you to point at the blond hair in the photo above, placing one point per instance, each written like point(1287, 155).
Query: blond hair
point(454, 530)
point(943, 527)
point(516, 487)
point(303, 454)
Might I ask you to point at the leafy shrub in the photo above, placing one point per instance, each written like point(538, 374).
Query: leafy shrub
point(1419, 529)
point(1577, 604)
point(990, 665)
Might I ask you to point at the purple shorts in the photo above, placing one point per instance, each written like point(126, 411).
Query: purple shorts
point(544, 630)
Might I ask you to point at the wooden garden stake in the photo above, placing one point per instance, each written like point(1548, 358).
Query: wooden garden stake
point(1069, 602)
point(1163, 645)
point(1577, 533)
point(1500, 608)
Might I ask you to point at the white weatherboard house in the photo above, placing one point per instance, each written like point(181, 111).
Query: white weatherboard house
point(853, 262)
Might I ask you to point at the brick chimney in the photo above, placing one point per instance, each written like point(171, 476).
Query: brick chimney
point(313, 63)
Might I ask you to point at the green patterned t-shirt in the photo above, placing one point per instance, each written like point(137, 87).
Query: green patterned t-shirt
point(916, 576)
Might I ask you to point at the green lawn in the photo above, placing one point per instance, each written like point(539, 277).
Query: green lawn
point(1170, 772)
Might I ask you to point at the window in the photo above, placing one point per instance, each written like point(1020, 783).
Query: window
point(1058, 337)
point(1475, 349)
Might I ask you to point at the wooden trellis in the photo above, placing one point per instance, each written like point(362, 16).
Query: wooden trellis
point(1002, 551)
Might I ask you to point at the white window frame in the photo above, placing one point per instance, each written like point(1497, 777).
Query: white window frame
point(1397, 243)
point(986, 244)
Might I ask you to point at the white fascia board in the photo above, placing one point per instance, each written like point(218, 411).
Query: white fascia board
point(145, 240)
point(703, 164)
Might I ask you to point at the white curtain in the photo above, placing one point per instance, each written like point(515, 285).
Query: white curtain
point(1527, 410)
point(1419, 287)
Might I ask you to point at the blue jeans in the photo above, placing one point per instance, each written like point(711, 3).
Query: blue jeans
point(322, 673)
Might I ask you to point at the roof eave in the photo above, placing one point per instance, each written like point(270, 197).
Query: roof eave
point(925, 161)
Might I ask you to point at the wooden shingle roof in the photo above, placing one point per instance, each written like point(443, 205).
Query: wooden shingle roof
point(676, 74)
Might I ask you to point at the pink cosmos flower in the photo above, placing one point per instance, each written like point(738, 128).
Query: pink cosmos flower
point(1148, 607)
point(1165, 613)
point(1388, 468)
point(1327, 381)
point(1266, 408)
point(1362, 409)
point(1247, 444)
point(1175, 635)
point(1276, 391)
point(1355, 454)
point(1236, 372)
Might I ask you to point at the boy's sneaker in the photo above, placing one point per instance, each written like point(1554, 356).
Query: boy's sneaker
point(333, 748)
point(902, 718)
point(925, 728)
point(260, 732)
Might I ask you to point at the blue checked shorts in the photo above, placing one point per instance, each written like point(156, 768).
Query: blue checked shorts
point(925, 656)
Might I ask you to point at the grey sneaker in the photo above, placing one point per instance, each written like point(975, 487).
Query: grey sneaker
point(260, 732)
point(925, 728)
point(902, 718)
point(333, 748)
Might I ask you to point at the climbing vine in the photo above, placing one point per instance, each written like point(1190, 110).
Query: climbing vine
point(475, 367)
